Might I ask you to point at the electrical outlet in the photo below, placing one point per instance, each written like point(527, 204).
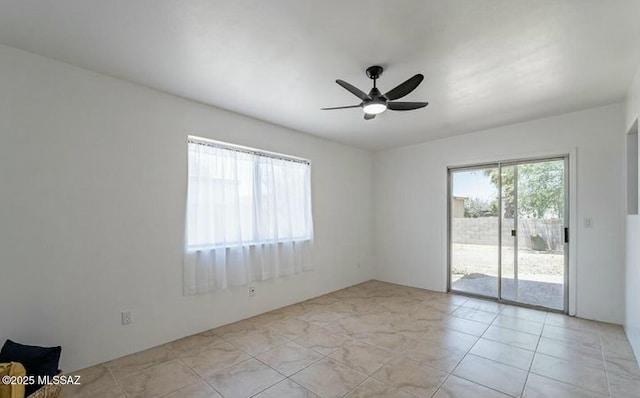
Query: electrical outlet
point(126, 318)
point(252, 291)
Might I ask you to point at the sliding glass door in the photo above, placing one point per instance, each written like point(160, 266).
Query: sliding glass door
point(475, 245)
point(507, 231)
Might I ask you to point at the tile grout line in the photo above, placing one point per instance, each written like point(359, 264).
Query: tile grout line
point(444, 381)
point(526, 379)
point(604, 360)
point(497, 362)
point(199, 377)
point(482, 385)
point(117, 381)
point(354, 388)
point(579, 387)
point(251, 356)
point(449, 374)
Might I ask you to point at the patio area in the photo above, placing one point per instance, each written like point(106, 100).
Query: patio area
point(543, 294)
point(540, 279)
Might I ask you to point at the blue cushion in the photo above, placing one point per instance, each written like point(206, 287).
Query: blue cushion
point(38, 361)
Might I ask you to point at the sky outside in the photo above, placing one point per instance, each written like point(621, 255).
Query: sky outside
point(474, 184)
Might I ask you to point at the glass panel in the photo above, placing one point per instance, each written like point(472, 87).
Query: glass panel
point(474, 231)
point(538, 275)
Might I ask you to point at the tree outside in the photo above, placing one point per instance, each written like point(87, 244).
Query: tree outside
point(540, 189)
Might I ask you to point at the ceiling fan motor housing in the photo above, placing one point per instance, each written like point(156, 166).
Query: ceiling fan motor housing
point(375, 93)
point(374, 72)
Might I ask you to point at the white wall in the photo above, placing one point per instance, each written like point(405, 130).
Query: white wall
point(632, 274)
point(411, 192)
point(92, 203)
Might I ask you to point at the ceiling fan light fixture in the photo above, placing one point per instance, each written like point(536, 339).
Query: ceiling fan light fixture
point(374, 108)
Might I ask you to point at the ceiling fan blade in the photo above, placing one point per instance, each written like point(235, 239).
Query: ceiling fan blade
point(353, 90)
point(369, 116)
point(406, 106)
point(340, 107)
point(404, 88)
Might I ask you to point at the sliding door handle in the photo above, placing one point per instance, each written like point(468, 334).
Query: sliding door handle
point(514, 233)
point(566, 235)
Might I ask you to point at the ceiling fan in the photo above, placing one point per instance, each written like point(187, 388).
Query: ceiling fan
point(375, 102)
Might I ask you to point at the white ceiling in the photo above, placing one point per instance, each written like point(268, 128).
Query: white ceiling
point(486, 62)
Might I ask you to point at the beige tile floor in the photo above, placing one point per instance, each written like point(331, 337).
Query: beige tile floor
point(381, 340)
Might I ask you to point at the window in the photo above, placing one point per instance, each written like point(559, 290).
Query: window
point(247, 208)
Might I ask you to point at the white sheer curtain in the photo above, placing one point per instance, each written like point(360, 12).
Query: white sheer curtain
point(248, 217)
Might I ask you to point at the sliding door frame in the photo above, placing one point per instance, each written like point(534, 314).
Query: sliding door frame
point(569, 246)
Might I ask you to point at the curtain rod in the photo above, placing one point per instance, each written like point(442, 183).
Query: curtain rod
point(231, 147)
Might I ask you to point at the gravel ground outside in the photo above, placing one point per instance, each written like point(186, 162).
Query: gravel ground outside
point(540, 266)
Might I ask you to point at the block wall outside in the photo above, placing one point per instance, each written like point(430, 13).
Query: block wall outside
point(482, 231)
